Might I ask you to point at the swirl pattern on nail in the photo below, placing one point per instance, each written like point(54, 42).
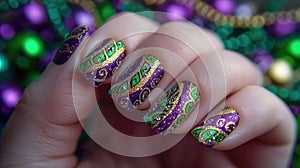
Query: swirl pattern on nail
point(100, 64)
point(217, 128)
point(137, 81)
point(173, 107)
point(70, 44)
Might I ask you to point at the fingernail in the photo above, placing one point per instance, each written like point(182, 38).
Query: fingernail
point(100, 64)
point(137, 81)
point(217, 128)
point(70, 44)
point(170, 110)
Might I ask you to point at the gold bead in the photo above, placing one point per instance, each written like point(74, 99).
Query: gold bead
point(281, 72)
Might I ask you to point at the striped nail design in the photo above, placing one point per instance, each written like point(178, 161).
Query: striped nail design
point(137, 81)
point(173, 107)
point(101, 63)
point(216, 128)
point(70, 44)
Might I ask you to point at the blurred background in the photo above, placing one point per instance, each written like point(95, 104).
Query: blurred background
point(265, 31)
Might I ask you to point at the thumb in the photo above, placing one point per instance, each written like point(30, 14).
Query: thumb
point(44, 127)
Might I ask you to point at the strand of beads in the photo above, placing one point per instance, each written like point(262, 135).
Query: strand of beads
point(11, 4)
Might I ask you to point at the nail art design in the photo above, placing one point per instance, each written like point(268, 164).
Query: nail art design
point(70, 44)
point(217, 128)
point(173, 107)
point(100, 64)
point(137, 81)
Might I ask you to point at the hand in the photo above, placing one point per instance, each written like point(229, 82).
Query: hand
point(46, 124)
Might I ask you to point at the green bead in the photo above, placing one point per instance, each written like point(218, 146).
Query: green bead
point(13, 3)
point(294, 95)
point(243, 40)
point(293, 48)
point(135, 80)
point(106, 10)
point(273, 89)
point(283, 93)
point(4, 6)
point(23, 2)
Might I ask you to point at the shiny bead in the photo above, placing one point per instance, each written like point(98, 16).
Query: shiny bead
point(281, 72)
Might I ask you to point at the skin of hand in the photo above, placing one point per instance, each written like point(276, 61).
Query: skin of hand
point(45, 126)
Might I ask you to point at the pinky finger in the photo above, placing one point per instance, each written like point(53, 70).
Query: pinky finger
point(256, 125)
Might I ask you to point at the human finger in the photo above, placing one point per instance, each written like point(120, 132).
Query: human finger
point(172, 42)
point(211, 86)
point(253, 119)
point(45, 121)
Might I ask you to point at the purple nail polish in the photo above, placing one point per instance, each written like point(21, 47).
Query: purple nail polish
point(70, 44)
point(173, 107)
point(137, 81)
point(101, 63)
point(216, 128)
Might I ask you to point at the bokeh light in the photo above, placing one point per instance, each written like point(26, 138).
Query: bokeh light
point(284, 26)
point(106, 11)
point(84, 18)
point(178, 11)
point(294, 47)
point(23, 62)
point(280, 71)
point(35, 13)
point(225, 6)
point(263, 59)
point(33, 46)
point(13, 3)
point(244, 10)
point(3, 63)
point(7, 31)
point(11, 96)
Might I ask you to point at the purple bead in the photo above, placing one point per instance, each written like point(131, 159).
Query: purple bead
point(282, 27)
point(263, 59)
point(226, 7)
point(295, 110)
point(177, 11)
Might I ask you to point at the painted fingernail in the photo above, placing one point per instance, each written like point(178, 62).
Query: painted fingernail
point(100, 64)
point(70, 44)
point(216, 128)
point(170, 110)
point(137, 81)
